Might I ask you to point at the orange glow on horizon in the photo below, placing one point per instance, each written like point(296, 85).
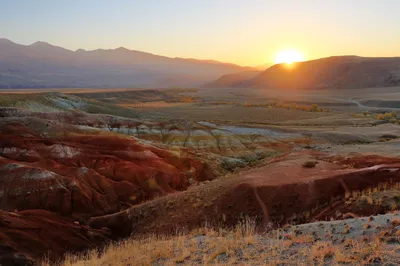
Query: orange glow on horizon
point(288, 57)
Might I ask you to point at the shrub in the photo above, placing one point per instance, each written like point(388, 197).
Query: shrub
point(388, 116)
point(315, 108)
point(310, 164)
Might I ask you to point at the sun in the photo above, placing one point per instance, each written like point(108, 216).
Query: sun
point(288, 57)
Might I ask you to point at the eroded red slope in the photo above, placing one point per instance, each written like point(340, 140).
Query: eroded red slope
point(281, 192)
point(50, 186)
point(89, 175)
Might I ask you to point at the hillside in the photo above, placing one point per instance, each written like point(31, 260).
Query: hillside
point(226, 81)
point(339, 72)
point(45, 65)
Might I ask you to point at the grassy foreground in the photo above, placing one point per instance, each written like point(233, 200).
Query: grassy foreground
point(239, 246)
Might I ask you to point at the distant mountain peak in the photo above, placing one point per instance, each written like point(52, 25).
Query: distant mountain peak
point(44, 46)
point(80, 50)
point(4, 40)
point(40, 43)
point(122, 49)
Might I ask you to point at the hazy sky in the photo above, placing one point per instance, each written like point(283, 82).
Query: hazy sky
point(247, 32)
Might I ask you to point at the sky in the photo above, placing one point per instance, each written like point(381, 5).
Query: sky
point(245, 32)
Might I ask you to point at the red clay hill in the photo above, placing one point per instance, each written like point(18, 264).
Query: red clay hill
point(282, 192)
point(56, 183)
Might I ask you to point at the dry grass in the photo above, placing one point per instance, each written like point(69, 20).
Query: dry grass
point(240, 245)
point(322, 250)
point(346, 229)
point(366, 226)
point(396, 221)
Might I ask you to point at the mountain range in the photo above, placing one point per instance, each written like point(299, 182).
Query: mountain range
point(44, 65)
point(337, 72)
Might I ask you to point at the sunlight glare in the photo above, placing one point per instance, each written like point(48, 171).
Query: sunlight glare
point(289, 57)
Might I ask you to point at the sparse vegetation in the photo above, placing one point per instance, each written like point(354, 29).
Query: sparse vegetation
point(293, 106)
point(239, 245)
point(310, 164)
point(389, 117)
point(187, 99)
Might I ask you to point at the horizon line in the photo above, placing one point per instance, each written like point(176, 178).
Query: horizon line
point(258, 66)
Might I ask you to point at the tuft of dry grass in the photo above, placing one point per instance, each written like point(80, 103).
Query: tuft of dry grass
point(396, 222)
point(322, 250)
point(346, 229)
point(367, 226)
